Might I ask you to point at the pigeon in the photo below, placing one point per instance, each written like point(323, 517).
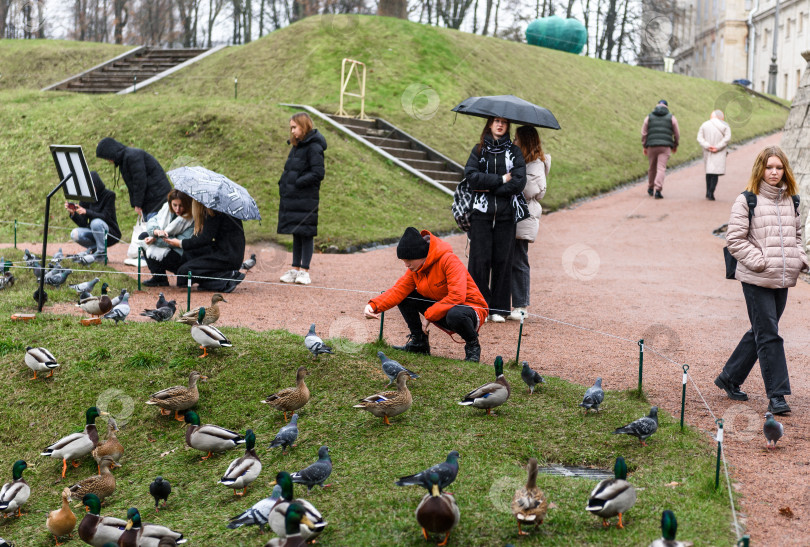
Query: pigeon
point(85, 260)
point(36, 267)
point(259, 513)
point(286, 435)
point(160, 489)
point(57, 277)
point(643, 427)
point(249, 263)
point(117, 299)
point(85, 286)
point(28, 257)
point(447, 471)
point(120, 311)
point(161, 301)
point(316, 473)
point(531, 377)
point(163, 313)
point(314, 343)
point(6, 280)
point(44, 296)
point(391, 368)
point(773, 430)
point(58, 255)
point(593, 396)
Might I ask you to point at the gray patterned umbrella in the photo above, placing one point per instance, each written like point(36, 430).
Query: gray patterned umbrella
point(215, 191)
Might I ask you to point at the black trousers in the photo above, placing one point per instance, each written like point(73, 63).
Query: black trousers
point(762, 341)
point(303, 247)
point(207, 266)
point(711, 184)
point(490, 263)
point(460, 319)
point(170, 263)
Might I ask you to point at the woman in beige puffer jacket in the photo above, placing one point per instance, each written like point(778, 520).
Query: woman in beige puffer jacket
point(769, 257)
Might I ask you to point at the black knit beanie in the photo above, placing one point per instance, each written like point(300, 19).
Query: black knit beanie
point(412, 245)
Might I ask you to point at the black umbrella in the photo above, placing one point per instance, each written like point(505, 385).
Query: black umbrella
point(514, 109)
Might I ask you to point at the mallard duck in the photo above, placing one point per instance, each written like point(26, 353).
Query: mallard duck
point(277, 518)
point(295, 518)
point(102, 485)
point(178, 398)
point(529, 504)
point(40, 360)
point(62, 521)
point(389, 403)
point(110, 447)
point(438, 512)
point(209, 438)
point(613, 497)
point(669, 527)
point(208, 336)
point(97, 305)
point(138, 534)
point(211, 316)
point(259, 513)
point(292, 398)
point(244, 470)
point(316, 473)
point(76, 445)
point(97, 530)
point(15, 493)
point(160, 489)
point(490, 395)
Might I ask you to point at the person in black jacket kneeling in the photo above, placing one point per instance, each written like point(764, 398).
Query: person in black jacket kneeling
point(94, 220)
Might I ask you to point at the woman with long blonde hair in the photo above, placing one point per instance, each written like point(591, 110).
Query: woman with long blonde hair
point(767, 243)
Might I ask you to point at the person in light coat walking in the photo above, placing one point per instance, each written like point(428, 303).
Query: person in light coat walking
point(538, 164)
point(714, 136)
point(769, 254)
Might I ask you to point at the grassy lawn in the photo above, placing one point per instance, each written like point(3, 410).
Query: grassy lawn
point(121, 365)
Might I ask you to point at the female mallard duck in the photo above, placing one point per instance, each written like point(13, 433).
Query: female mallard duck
point(178, 398)
point(211, 312)
point(389, 403)
point(438, 512)
point(97, 530)
point(62, 521)
point(529, 504)
point(76, 445)
point(244, 470)
point(110, 447)
point(208, 336)
point(291, 398)
point(40, 360)
point(295, 518)
point(277, 518)
point(97, 305)
point(492, 394)
point(15, 493)
point(669, 527)
point(209, 438)
point(102, 485)
point(138, 534)
point(613, 497)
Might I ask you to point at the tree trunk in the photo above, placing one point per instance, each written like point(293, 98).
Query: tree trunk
point(621, 32)
point(487, 13)
point(608, 38)
point(261, 19)
point(237, 20)
point(393, 8)
point(586, 16)
point(214, 7)
point(121, 17)
point(247, 22)
point(475, 17)
point(497, 9)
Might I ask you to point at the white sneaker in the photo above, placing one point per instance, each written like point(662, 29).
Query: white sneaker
point(495, 318)
point(517, 314)
point(134, 262)
point(289, 277)
point(303, 278)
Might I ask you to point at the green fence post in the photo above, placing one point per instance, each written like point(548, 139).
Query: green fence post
point(235, 88)
point(683, 394)
point(520, 335)
point(382, 321)
point(134, 84)
point(719, 423)
point(105, 250)
point(189, 291)
point(139, 268)
point(640, 363)
point(15, 233)
point(744, 541)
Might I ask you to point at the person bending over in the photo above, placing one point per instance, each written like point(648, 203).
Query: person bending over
point(174, 220)
point(94, 220)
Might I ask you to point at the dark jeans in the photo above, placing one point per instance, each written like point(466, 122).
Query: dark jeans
point(521, 274)
point(303, 246)
point(207, 266)
point(490, 263)
point(711, 184)
point(762, 341)
point(171, 262)
point(460, 319)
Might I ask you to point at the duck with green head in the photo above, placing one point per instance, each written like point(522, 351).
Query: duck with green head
point(209, 438)
point(76, 445)
point(438, 512)
point(492, 394)
point(207, 336)
point(295, 520)
point(97, 305)
point(97, 530)
point(144, 534)
point(614, 496)
point(669, 528)
point(15, 493)
point(244, 470)
point(277, 518)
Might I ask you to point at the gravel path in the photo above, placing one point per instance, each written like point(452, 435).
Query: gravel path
point(605, 274)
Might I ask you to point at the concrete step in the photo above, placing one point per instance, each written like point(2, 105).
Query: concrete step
point(354, 121)
point(443, 175)
point(405, 154)
point(427, 164)
point(388, 142)
point(449, 184)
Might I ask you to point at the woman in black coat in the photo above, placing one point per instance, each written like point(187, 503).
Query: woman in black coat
point(299, 188)
point(217, 249)
point(496, 172)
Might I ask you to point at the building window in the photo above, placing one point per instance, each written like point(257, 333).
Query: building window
point(788, 24)
point(801, 23)
point(765, 40)
point(704, 52)
point(786, 87)
point(712, 50)
point(798, 78)
point(762, 86)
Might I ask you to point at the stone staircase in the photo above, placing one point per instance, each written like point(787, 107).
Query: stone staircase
point(409, 150)
point(133, 67)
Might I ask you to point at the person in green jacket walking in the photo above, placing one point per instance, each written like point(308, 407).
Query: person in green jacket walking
point(659, 137)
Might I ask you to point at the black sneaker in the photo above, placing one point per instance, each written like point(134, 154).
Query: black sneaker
point(658, 195)
point(732, 390)
point(234, 282)
point(778, 405)
point(155, 281)
point(472, 351)
point(417, 343)
point(649, 191)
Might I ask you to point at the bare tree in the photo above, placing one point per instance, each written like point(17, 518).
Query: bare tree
point(188, 20)
point(152, 21)
point(4, 10)
point(393, 8)
point(453, 12)
point(214, 7)
point(487, 14)
point(120, 20)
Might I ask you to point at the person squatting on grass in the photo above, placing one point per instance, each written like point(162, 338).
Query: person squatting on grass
point(173, 221)
point(769, 254)
point(437, 286)
point(299, 188)
point(95, 219)
point(537, 167)
point(496, 173)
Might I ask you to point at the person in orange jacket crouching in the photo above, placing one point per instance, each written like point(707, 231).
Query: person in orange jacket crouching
point(437, 286)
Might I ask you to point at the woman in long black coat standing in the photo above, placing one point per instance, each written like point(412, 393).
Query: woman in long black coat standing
point(299, 188)
point(496, 172)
